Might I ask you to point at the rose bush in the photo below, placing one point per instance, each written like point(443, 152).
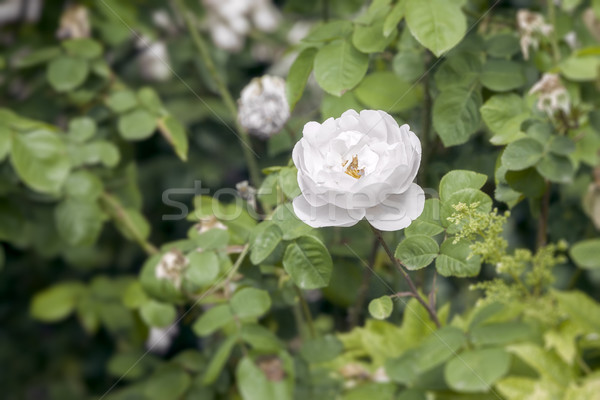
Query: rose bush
point(358, 166)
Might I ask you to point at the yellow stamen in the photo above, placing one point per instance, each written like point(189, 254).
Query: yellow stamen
point(352, 169)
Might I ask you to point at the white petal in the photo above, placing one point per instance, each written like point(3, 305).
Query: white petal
point(398, 210)
point(373, 124)
point(327, 215)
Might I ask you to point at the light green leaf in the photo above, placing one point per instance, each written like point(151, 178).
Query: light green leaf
point(586, 253)
point(457, 180)
point(393, 18)
point(83, 185)
point(502, 75)
point(67, 73)
point(137, 125)
point(561, 145)
point(556, 168)
point(527, 181)
point(429, 222)
point(381, 308)
point(460, 69)
point(288, 181)
point(500, 333)
point(580, 308)
point(454, 260)
point(78, 221)
point(84, 48)
point(213, 319)
point(416, 252)
point(437, 24)
point(333, 106)
point(521, 154)
point(546, 363)
point(250, 303)
point(158, 314)
point(134, 296)
point(39, 56)
point(308, 262)
point(5, 142)
point(254, 385)
point(219, 359)
point(298, 75)
point(151, 101)
point(370, 38)
point(121, 101)
point(580, 68)
point(265, 243)
point(82, 129)
point(503, 114)
point(321, 349)
point(175, 134)
point(260, 338)
point(203, 268)
point(409, 65)
point(502, 45)
point(456, 114)
point(57, 302)
point(290, 225)
point(340, 67)
point(40, 160)
point(475, 371)
point(466, 196)
point(329, 31)
point(384, 90)
point(168, 383)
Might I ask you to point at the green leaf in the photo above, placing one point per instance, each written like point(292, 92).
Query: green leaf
point(521, 154)
point(260, 338)
point(322, 349)
point(384, 90)
point(466, 196)
point(39, 56)
point(5, 142)
point(168, 383)
point(329, 31)
point(502, 75)
point(82, 129)
point(158, 314)
point(502, 45)
point(67, 73)
point(40, 160)
point(458, 69)
point(429, 222)
point(253, 384)
point(437, 24)
point(288, 180)
point(84, 48)
point(265, 243)
point(219, 359)
point(500, 333)
point(585, 253)
point(457, 180)
point(308, 262)
point(98, 152)
point(340, 67)
point(580, 68)
point(503, 114)
point(149, 99)
point(527, 181)
point(381, 308)
point(561, 145)
point(409, 65)
point(137, 125)
point(370, 38)
point(83, 185)
point(121, 101)
point(476, 370)
point(203, 268)
point(416, 252)
point(290, 225)
point(556, 168)
point(175, 134)
point(456, 114)
point(393, 18)
point(298, 75)
point(546, 363)
point(79, 222)
point(213, 319)
point(454, 260)
point(56, 302)
point(580, 308)
point(250, 303)
point(333, 106)
point(134, 296)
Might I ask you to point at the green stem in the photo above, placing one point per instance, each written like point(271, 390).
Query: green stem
point(413, 289)
point(117, 212)
point(255, 176)
point(553, 38)
point(306, 312)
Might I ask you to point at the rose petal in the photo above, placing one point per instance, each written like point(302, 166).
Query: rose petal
point(327, 215)
point(373, 124)
point(398, 210)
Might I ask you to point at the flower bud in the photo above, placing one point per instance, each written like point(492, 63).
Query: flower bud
point(171, 267)
point(74, 23)
point(263, 106)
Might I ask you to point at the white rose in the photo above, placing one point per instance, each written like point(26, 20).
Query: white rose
point(355, 167)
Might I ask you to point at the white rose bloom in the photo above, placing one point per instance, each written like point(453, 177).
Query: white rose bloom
point(263, 106)
point(358, 166)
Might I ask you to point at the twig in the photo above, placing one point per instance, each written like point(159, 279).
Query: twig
point(413, 289)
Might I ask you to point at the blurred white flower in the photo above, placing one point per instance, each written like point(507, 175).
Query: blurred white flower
point(171, 267)
point(16, 10)
point(208, 223)
point(247, 192)
point(74, 23)
point(571, 39)
point(159, 339)
point(532, 27)
point(153, 60)
point(229, 21)
point(263, 106)
point(553, 96)
point(358, 166)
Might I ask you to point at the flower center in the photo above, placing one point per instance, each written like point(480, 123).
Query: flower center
point(352, 169)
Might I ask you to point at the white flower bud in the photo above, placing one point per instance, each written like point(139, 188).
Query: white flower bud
point(159, 339)
point(553, 96)
point(263, 106)
point(153, 60)
point(532, 27)
point(171, 267)
point(74, 23)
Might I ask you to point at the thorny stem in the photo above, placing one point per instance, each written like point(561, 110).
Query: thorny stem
point(306, 312)
point(543, 221)
point(200, 44)
point(355, 311)
point(413, 289)
point(117, 212)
